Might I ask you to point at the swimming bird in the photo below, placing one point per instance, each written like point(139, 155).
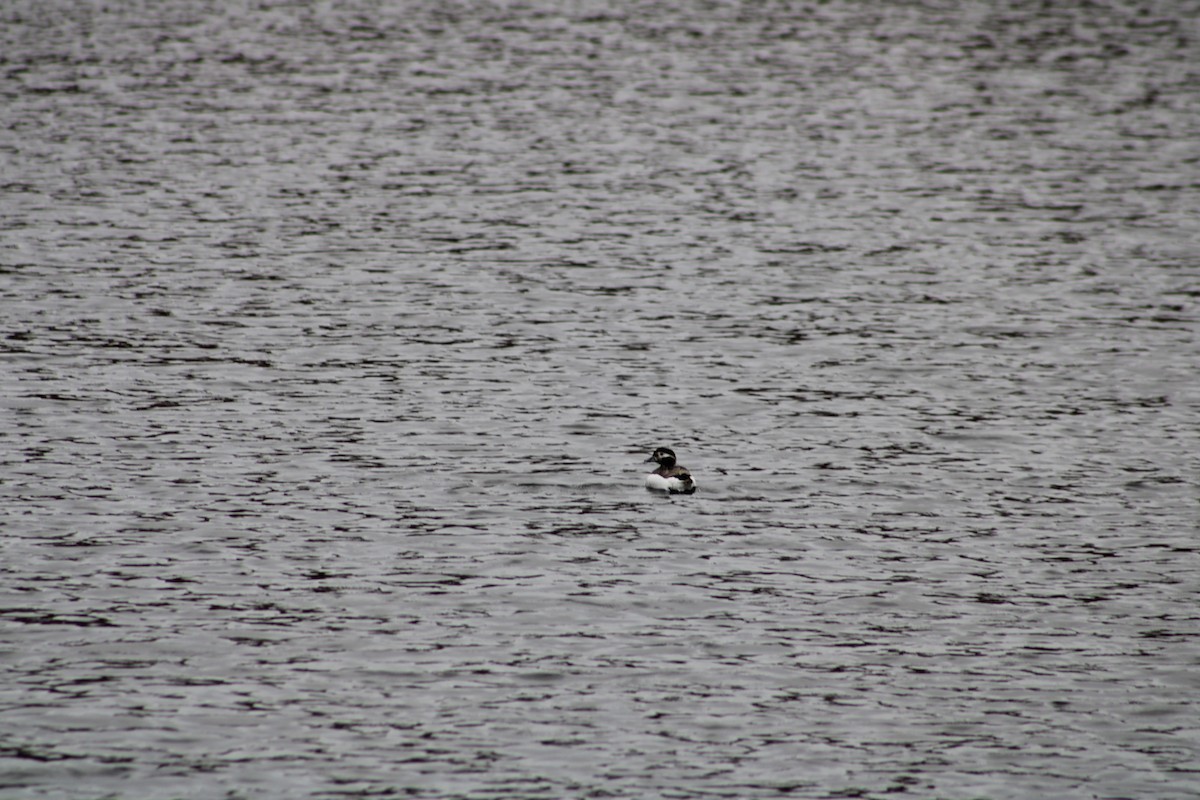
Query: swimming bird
point(669, 477)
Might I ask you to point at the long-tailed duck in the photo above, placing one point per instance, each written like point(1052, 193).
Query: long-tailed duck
point(669, 477)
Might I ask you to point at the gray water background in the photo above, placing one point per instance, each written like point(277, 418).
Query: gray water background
point(334, 336)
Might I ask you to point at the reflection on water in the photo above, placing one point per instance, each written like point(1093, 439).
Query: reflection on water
point(335, 338)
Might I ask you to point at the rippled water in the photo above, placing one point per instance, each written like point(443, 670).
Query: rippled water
point(334, 336)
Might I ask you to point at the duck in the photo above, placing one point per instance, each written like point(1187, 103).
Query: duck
point(669, 477)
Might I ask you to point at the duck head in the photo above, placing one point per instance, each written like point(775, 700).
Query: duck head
point(665, 457)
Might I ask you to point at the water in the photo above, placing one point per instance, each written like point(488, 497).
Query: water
point(334, 336)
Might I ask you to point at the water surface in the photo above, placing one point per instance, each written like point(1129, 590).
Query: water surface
point(334, 337)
